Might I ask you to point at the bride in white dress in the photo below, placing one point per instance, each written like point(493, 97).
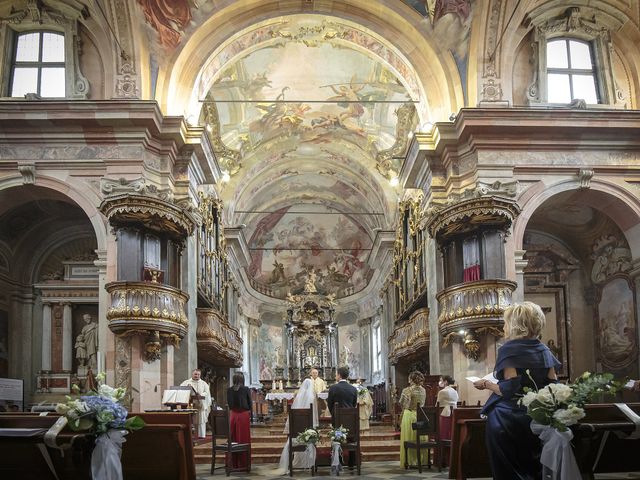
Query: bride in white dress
point(305, 397)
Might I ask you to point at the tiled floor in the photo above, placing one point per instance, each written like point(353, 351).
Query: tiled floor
point(370, 470)
point(377, 470)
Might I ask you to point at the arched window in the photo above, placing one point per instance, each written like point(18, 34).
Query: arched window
point(38, 65)
point(571, 71)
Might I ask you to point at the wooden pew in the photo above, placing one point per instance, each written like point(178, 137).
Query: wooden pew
point(163, 450)
point(618, 454)
point(21, 457)
point(468, 456)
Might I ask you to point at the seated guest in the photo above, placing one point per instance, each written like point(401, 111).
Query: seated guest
point(447, 400)
point(411, 398)
point(523, 361)
point(239, 400)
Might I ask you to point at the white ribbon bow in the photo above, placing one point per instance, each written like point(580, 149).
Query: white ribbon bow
point(336, 453)
point(557, 454)
point(105, 459)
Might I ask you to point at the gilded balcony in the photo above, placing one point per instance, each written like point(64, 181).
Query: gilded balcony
point(411, 338)
point(219, 343)
point(145, 307)
point(474, 305)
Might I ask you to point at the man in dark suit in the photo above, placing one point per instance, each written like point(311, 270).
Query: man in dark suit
point(342, 392)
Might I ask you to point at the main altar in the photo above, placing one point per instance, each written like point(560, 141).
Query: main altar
point(312, 334)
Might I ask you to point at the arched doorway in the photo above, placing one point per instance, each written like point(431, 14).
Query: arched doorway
point(49, 280)
point(580, 271)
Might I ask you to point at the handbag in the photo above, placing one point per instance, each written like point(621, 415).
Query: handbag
point(421, 424)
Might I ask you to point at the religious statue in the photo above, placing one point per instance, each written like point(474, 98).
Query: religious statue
point(312, 357)
point(86, 344)
point(310, 283)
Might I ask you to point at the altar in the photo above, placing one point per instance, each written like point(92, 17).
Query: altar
point(312, 335)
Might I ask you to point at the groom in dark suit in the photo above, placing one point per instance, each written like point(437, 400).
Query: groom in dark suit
point(342, 392)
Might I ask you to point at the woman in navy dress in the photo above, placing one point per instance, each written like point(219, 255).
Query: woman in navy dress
point(514, 451)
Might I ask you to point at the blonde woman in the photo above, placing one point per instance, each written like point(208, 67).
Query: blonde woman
point(514, 451)
point(411, 398)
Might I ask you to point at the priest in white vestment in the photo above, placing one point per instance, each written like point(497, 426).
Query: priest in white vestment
point(204, 405)
point(319, 385)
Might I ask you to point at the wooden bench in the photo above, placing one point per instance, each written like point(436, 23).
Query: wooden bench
point(162, 450)
point(599, 432)
point(469, 456)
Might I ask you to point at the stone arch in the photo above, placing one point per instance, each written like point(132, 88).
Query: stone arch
point(401, 23)
point(613, 199)
point(79, 193)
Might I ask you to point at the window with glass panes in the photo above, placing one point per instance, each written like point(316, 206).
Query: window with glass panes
point(377, 348)
point(38, 65)
point(571, 71)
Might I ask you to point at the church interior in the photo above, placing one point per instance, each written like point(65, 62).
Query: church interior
point(275, 186)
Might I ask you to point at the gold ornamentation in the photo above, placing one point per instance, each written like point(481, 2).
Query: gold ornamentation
point(467, 215)
point(478, 304)
point(218, 341)
point(153, 213)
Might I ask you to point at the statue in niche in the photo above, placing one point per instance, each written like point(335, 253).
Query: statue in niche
point(87, 343)
point(312, 359)
point(310, 283)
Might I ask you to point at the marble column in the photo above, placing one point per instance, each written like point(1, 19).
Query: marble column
point(67, 340)
point(46, 337)
point(520, 265)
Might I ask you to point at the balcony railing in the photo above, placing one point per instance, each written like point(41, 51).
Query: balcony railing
point(147, 307)
point(410, 338)
point(475, 305)
point(218, 342)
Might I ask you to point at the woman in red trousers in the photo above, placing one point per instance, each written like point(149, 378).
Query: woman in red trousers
point(239, 400)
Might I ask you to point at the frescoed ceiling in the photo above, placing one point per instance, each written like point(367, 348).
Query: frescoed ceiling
point(309, 128)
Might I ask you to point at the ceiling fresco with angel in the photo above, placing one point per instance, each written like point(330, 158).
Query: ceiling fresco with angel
point(304, 118)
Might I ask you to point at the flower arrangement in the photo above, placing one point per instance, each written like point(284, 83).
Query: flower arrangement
point(338, 434)
point(560, 406)
point(98, 411)
point(310, 435)
point(362, 391)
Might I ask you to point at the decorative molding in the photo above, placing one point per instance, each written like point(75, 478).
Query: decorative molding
point(126, 85)
point(228, 159)
point(411, 338)
point(473, 305)
point(143, 307)
point(446, 221)
point(388, 162)
point(28, 172)
point(584, 176)
point(155, 214)
point(219, 343)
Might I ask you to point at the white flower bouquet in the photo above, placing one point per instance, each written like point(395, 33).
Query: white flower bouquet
point(310, 435)
point(560, 406)
point(338, 434)
point(98, 411)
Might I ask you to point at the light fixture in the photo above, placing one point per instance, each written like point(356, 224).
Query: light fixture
point(192, 120)
point(394, 181)
point(462, 332)
point(225, 177)
point(426, 127)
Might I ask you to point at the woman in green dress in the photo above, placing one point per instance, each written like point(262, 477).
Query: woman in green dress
point(412, 397)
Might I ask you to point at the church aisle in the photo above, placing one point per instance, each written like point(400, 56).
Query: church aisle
point(377, 470)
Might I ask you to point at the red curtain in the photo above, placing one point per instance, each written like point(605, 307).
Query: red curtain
point(471, 273)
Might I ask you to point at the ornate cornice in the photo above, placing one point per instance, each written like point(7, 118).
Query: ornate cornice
point(153, 213)
point(473, 305)
point(468, 215)
point(218, 342)
point(411, 338)
point(145, 307)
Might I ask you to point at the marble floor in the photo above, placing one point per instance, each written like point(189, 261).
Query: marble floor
point(370, 470)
